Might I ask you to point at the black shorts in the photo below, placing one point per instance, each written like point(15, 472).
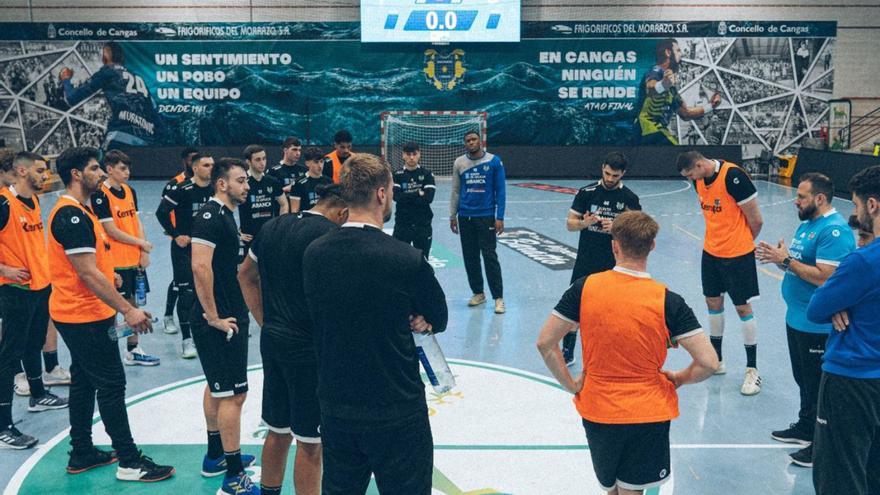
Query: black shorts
point(129, 282)
point(181, 265)
point(290, 393)
point(738, 277)
point(634, 456)
point(224, 362)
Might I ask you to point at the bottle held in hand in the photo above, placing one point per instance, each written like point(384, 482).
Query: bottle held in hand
point(434, 362)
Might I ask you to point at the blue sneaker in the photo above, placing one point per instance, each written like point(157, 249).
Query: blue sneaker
point(216, 467)
point(137, 356)
point(238, 485)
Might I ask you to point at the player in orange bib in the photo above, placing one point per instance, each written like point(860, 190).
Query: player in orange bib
point(625, 397)
point(83, 305)
point(729, 202)
point(341, 151)
point(24, 295)
point(116, 206)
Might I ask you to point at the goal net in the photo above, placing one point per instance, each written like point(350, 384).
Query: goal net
point(439, 134)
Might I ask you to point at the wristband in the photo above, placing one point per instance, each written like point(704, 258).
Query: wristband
point(659, 88)
point(707, 108)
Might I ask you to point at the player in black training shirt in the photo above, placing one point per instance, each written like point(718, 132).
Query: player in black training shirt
point(594, 209)
point(175, 214)
point(367, 293)
point(272, 282)
point(265, 199)
point(288, 171)
point(171, 296)
point(220, 323)
point(303, 195)
point(413, 192)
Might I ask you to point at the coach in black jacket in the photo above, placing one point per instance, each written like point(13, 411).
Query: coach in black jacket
point(367, 292)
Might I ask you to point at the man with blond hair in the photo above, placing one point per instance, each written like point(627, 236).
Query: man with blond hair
point(625, 397)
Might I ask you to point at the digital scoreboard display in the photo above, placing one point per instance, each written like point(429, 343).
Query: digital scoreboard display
point(440, 21)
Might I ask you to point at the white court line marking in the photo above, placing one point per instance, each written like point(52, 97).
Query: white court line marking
point(790, 188)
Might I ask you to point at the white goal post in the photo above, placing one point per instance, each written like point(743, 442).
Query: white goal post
point(439, 134)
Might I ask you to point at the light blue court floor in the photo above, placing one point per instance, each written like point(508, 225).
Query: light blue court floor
point(506, 428)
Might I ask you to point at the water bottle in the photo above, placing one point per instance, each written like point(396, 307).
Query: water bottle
point(120, 330)
point(434, 362)
point(140, 288)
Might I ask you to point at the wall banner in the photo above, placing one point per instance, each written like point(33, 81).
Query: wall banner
point(565, 83)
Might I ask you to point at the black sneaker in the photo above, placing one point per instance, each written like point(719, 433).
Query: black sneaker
point(47, 402)
point(803, 457)
point(11, 438)
point(794, 434)
point(82, 462)
point(568, 343)
point(143, 469)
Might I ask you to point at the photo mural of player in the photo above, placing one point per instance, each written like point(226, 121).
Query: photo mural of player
point(764, 85)
point(33, 111)
point(775, 91)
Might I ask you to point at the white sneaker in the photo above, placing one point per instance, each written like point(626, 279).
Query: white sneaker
point(58, 376)
point(21, 385)
point(499, 306)
point(751, 383)
point(477, 299)
point(721, 369)
point(189, 349)
point(170, 325)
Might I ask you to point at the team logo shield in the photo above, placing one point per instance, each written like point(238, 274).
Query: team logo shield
point(444, 71)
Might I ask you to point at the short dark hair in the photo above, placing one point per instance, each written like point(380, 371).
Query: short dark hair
point(472, 131)
point(291, 141)
point(662, 46)
point(223, 166)
point(198, 156)
point(331, 195)
point(251, 150)
point(7, 156)
point(410, 147)
point(688, 159)
point(26, 156)
point(75, 158)
point(189, 150)
point(117, 56)
point(866, 184)
point(634, 232)
point(342, 136)
point(115, 157)
point(616, 160)
point(313, 154)
point(362, 174)
point(819, 184)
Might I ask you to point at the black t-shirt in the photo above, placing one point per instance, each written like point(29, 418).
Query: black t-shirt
point(4, 208)
point(214, 226)
point(101, 205)
point(261, 204)
point(680, 319)
point(413, 207)
point(74, 230)
point(362, 285)
point(739, 184)
point(185, 200)
point(288, 174)
point(304, 190)
point(594, 245)
point(278, 251)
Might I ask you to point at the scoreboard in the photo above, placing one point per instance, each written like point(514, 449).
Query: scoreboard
point(440, 21)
